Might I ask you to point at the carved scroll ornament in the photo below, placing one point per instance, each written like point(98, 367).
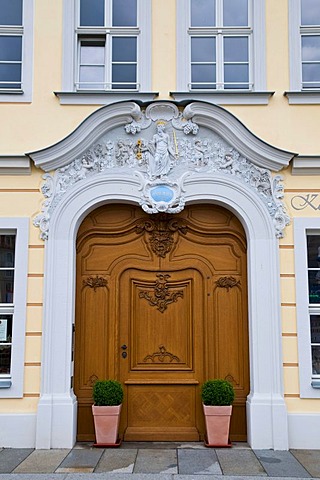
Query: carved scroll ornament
point(161, 356)
point(227, 282)
point(95, 282)
point(162, 297)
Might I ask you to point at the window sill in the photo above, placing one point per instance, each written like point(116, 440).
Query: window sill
point(315, 384)
point(15, 96)
point(14, 165)
point(307, 97)
point(5, 383)
point(306, 165)
point(103, 98)
point(224, 97)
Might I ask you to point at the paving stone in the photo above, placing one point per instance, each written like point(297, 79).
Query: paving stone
point(42, 461)
point(156, 461)
point(80, 460)
point(281, 464)
point(310, 460)
point(10, 458)
point(32, 476)
point(119, 476)
point(239, 461)
point(120, 461)
point(197, 462)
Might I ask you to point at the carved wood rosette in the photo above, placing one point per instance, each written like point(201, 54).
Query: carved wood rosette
point(161, 231)
point(227, 282)
point(95, 282)
point(162, 297)
point(161, 356)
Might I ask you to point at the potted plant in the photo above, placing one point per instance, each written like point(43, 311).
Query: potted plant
point(217, 397)
point(107, 396)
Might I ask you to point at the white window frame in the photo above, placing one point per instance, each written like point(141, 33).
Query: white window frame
point(70, 47)
point(298, 95)
point(303, 226)
point(23, 95)
point(11, 386)
point(257, 58)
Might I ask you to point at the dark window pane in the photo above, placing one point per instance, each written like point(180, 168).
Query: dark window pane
point(237, 76)
point(315, 360)
point(10, 12)
point(7, 250)
point(315, 328)
point(311, 75)
point(310, 12)
point(124, 49)
point(10, 48)
point(124, 13)
point(92, 12)
point(5, 328)
point(204, 75)
point(314, 286)
point(235, 12)
point(203, 49)
point(6, 286)
point(310, 48)
point(124, 76)
point(5, 359)
point(236, 49)
point(10, 73)
point(313, 247)
point(203, 13)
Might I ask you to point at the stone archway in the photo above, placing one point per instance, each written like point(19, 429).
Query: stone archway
point(266, 410)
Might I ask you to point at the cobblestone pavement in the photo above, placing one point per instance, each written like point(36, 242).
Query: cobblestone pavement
point(163, 461)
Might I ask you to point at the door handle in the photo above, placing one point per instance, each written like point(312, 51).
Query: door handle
point(124, 347)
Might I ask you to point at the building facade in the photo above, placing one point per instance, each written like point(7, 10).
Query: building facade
point(159, 182)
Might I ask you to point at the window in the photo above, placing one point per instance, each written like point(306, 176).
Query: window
point(13, 286)
point(304, 41)
point(310, 43)
point(307, 260)
point(107, 45)
point(220, 38)
point(221, 49)
point(313, 254)
point(15, 49)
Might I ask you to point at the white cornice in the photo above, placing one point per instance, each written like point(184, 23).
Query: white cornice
point(211, 116)
point(14, 165)
point(306, 165)
point(240, 137)
point(99, 122)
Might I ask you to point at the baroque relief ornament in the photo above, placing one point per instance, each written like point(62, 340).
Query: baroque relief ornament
point(162, 146)
point(162, 297)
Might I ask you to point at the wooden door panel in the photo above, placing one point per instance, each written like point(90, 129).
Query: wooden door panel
point(162, 412)
point(190, 327)
point(161, 371)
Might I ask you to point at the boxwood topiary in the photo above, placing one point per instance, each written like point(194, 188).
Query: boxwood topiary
point(107, 393)
point(217, 392)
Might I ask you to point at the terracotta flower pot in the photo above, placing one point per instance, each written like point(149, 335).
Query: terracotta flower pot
point(217, 424)
point(106, 423)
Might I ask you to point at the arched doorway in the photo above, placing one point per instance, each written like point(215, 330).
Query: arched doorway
point(161, 305)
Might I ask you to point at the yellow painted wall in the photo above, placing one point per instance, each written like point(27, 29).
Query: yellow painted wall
point(29, 127)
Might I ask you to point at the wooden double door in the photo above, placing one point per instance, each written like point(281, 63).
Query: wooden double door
point(161, 306)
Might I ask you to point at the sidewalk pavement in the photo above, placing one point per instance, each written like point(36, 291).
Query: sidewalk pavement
point(161, 460)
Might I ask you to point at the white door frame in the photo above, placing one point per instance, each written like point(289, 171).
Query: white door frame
point(57, 410)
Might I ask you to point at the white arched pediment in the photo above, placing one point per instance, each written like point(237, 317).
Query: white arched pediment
point(163, 147)
point(92, 167)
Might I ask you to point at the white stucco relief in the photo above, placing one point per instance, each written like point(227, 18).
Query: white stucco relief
point(162, 146)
